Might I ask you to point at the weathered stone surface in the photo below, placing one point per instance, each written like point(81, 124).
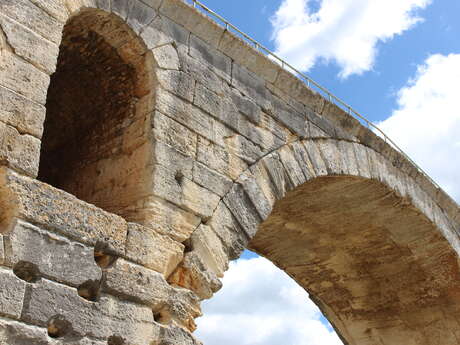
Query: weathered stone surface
point(192, 274)
point(152, 250)
point(101, 320)
point(2, 250)
point(210, 179)
point(166, 57)
point(140, 15)
point(24, 115)
point(27, 44)
point(179, 12)
point(176, 335)
point(177, 82)
point(20, 151)
point(233, 237)
point(136, 283)
point(12, 291)
point(207, 245)
point(218, 62)
point(243, 209)
point(54, 209)
point(33, 17)
point(167, 218)
point(256, 194)
point(23, 78)
point(55, 257)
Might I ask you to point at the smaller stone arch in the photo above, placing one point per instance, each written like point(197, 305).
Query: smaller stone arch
point(96, 142)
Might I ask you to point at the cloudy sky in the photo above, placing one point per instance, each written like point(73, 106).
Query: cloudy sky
point(397, 62)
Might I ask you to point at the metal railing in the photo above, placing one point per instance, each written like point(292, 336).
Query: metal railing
point(309, 82)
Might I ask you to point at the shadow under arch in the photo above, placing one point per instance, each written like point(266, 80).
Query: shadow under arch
point(96, 142)
point(374, 252)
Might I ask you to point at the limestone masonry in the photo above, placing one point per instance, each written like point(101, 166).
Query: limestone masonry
point(143, 146)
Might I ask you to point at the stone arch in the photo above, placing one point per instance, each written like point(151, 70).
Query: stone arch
point(376, 253)
point(97, 143)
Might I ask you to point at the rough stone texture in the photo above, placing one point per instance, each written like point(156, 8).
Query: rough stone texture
point(54, 256)
point(164, 145)
point(153, 250)
point(12, 291)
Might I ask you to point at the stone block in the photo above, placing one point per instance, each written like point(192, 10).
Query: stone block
point(278, 175)
point(19, 151)
point(35, 18)
point(175, 161)
point(23, 78)
point(208, 100)
point(55, 257)
point(243, 148)
point(176, 335)
point(192, 20)
point(246, 107)
point(74, 6)
point(156, 33)
point(302, 158)
point(203, 74)
point(177, 82)
point(325, 127)
point(218, 62)
point(12, 291)
point(100, 320)
point(347, 152)
point(174, 134)
point(224, 224)
point(137, 283)
point(219, 159)
point(199, 200)
point(16, 333)
point(183, 192)
point(152, 250)
point(166, 57)
point(168, 219)
point(315, 157)
point(210, 179)
point(207, 245)
point(30, 46)
point(185, 113)
point(289, 117)
point(192, 274)
point(332, 157)
point(54, 209)
point(19, 112)
point(243, 209)
point(252, 86)
point(55, 8)
point(121, 8)
point(291, 166)
point(140, 15)
point(362, 161)
point(255, 193)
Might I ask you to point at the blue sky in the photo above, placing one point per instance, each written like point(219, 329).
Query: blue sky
point(371, 93)
point(403, 74)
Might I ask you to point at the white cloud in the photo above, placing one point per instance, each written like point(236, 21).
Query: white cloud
point(261, 305)
point(426, 124)
point(342, 31)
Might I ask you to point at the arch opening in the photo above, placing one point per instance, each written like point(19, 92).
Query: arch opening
point(95, 143)
point(378, 269)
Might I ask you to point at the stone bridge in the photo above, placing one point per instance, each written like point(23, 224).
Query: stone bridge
point(143, 146)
